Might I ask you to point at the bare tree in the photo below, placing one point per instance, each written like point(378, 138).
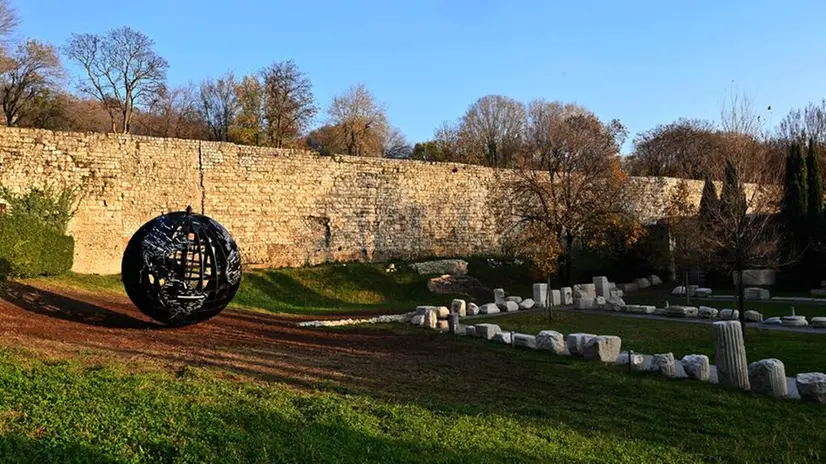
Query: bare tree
point(8, 22)
point(494, 126)
point(359, 121)
point(395, 145)
point(219, 105)
point(289, 104)
point(122, 71)
point(685, 148)
point(804, 125)
point(173, 113)
point(33, 70)
point(569, 187)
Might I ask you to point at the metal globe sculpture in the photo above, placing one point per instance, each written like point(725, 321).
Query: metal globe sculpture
point(181, 268)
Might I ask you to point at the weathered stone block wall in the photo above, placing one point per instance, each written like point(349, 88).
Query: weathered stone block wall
point(285, 208)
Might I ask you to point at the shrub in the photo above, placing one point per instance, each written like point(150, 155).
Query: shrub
point(33, 240)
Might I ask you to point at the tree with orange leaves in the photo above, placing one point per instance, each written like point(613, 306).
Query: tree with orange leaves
point(569, 187)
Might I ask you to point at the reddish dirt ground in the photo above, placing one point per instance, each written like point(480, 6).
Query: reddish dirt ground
point(99, 327)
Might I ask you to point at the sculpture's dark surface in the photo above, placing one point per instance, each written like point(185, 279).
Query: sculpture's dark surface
point(181, 268)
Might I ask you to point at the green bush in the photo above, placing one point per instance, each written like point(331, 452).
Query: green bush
point(29, 248)
point(33, 240)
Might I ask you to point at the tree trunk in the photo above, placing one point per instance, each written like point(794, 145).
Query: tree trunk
point(548, 298)
point(685, 286)
point(568, 262)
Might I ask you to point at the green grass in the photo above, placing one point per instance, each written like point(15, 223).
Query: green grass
point(659, 295)
point(800, 352)
point(66, 412)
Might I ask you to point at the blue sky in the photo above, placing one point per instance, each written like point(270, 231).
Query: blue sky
point(643, 62)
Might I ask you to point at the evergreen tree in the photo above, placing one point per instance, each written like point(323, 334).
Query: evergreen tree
point(795, 203)
point(814, 185)
point(733, 197)
point(709, 201)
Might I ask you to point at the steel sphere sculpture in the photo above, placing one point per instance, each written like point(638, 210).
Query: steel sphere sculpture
point(181, 268)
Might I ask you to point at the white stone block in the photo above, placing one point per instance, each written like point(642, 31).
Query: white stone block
point(753, 316)
point(420, 310)
point(487, 331)
point(459, 307)
point(527, 304)
point(696, 366)
point(660, 312)
point(640, 309)
point(637, 360)
point(642, 283)
point(510, 306)
point(729, 314)
point(707, 312)
point(515, 299)
point(584, 303)
point(556, 298)
point(772, 321)
point(793, 321)
point(811, 386)
point(472, 309)
point(768, 377)
point(540, 294)
point(431, 317)
point(702, 292)
point(417, 319)
point(489, 308)
point(818, 322)
point(681, 311)
point(524, 340)
point(604, 348)
point(655, 280)
point(551, 340)
point(664, 364)
point(678, 290)
point(442, 312)
point(601, 286)
point(629, 287)
point(576, 343)
point(499, 296)
point(470, 330)
point(502, 337)
point(730, 354)
point(567, 296)
point(756, 293)
point(588, 290)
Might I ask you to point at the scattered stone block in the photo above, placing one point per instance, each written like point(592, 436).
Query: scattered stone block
point(589, 290)
point(678, 290)
point(584, 303)
point(498, 296)
point(442, 312)
point(655, 280)
point(502, 337)
point(417, 319)
point(729, 314)
point(707, 312)
point(576, 343)
point(664, 364)
point(601, 286)
point(604, 348)
point(470, 330)
point(510, 306)
point(681, 311)
point(696, 366)
point(768, 377)
point(524, 340)
point(442, 325)
point(811, 386)
point(642, 283)
point(489, 308)
point(567, 296)
point(637, 360)
point(818, 322)
point(420, 310)
point(730, 354)
point(599, 302)
point(527, 304)
point(629, 287)
point(540, 294)
point(459, 307)
point(753, 316)
point(551, 340)
point(818, 292)
point(487, 331)
point(640, 309)
point(515, 299)
point(615, 303)
point(556, 298)
point(702, 292)
point(793, 321)
point(772, 321)
point(453, 323)
point(756, 293)
point(431, 317)
point(660, 312)
point(472, 309)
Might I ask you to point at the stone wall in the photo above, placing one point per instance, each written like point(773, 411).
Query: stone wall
point(284, 208)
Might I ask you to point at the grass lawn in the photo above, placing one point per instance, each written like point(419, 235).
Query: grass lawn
point(800, 352)
point(318, 289)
